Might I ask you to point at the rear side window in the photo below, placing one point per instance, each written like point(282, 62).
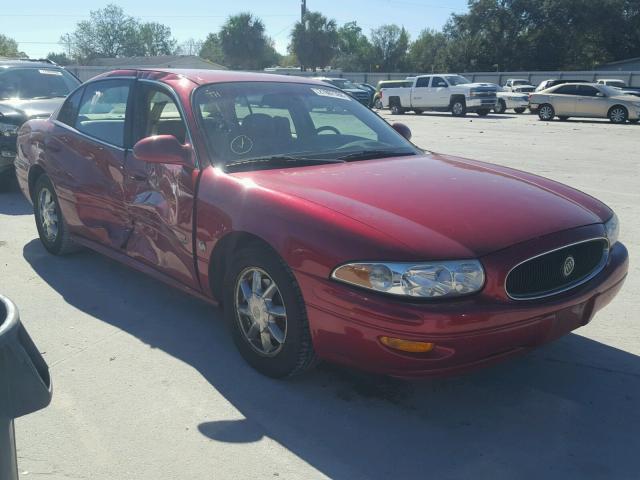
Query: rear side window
point(422, 82)
point(69, 110)
point(103, 111)
point(567, 90)
point(588, 91)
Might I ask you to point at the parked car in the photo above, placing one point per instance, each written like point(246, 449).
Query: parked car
point(323, 235)
point(621, 85)
point(446, 93)
point(28, 89)
point(514, 82)
point(524, 89)
point(511, 100)
point(377, 98)
point(347, 86)
point(369, 88)
point(586, 100)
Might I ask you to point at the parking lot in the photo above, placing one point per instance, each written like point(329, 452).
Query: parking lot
point(147, 384)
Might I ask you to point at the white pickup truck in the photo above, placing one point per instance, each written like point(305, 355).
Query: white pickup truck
point(445, 93)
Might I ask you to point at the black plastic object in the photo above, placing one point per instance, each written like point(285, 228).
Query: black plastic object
point(25, 385)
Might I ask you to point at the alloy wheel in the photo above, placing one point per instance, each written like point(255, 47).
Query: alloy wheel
point(48, 214)
point(260, 311)
point(546, 112)
point(618, 115)
point(457, 108)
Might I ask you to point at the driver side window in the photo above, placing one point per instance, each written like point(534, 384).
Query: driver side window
point(156, 113)
point(438, 82)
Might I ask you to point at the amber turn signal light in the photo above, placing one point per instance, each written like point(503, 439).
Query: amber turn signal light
point(407, 345)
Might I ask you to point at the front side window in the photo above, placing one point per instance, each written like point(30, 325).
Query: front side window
point(69, 110)
point(259, 120)
point(103, 110)
point(36, 83)
point(567, 90)
point(438, 82)
point(156, 113)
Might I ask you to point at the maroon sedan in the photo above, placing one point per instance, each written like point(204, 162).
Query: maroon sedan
point(323, 231)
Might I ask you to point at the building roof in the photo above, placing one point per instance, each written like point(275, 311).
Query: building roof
point(162, 61)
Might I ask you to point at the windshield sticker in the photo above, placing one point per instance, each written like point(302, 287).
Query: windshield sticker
point(325, 92)
point(50, 72)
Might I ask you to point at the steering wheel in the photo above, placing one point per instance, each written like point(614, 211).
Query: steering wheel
point(328, 128)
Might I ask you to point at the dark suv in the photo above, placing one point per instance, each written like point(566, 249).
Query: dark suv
point(28, 89)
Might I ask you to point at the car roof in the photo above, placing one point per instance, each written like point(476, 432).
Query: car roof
point(202, 76)
point(26, 63)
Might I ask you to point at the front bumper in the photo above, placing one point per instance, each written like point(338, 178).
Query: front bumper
point(346, 323)
point(7, 153)
point(481, 103)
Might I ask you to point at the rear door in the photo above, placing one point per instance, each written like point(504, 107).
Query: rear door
point(589, 104)
point(160, 198)
point(564, 101)
point(86, 154)
point(420, 93)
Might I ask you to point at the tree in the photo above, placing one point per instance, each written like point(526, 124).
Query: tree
point(244, 43)
point(189, 47)
point(60, 58)
point(390, 44)
point(354, 51)
point(111, 33)
point(212, 49)
point(314, 41)
point(9, 48)
point(429, 52)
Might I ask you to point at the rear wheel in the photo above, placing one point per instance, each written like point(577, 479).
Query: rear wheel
point(546, 112)
point(519, 110)
point(483, 112)
point(396, 109)
point(267, 315)
point(618, 114)
point(377, 104)
point(52, 229)
point(458, 108)
point(500, 107)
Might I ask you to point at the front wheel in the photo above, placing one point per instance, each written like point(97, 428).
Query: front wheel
point(458, 108)
point(546, 112)
point(618, 114)
point(378, 104)
point(50, 223)
point(519, 110)
point(267, 315)
point(500, 107)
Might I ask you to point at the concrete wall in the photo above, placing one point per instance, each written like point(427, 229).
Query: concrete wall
point(631, 77)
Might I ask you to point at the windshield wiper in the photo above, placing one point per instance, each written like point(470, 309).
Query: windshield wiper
point(372, 154)
point(272, 160)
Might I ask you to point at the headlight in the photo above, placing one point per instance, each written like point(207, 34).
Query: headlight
point(425, 280)
point(8, 129)
point(612, 229)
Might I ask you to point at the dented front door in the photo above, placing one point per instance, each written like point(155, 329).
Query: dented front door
point(160, 198)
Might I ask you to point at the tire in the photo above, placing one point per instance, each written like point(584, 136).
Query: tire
point(458, 108)
point(396, 109)
point(500, 107)
point(563, 118)
point(483, 112)
point(519, 110)
point(52, 229)
point(546, 112)
point(618, 114)
point(288, 336)
point(378, 104)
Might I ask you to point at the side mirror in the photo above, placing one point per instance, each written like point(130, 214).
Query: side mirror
point(600, 94)
point(402, 129)
point(164, 149)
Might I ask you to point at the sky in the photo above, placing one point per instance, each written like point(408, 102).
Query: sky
point(37, 25)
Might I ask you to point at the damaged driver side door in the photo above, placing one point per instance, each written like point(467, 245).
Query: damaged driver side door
point(160, 197)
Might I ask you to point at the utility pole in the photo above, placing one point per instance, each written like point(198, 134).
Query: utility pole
point(303, 9)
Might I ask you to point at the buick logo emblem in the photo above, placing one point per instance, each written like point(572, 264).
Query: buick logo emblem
point(569, 266)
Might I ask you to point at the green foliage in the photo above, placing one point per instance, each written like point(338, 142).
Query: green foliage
point(390, 45)
point(111, 33)
point(212, 49)
point(314, 41)
point(355, 51)
point(244, 43)
point(9, 48)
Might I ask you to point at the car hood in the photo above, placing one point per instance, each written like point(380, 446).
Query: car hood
point(479, 85)
point(40, 108)
point(626, 97)
point(439, 206)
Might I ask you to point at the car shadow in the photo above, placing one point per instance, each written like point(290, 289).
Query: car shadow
point(568, 410)
point(468, 116)
point(12, 202)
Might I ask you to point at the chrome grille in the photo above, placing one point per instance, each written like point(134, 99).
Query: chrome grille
point(558, 270)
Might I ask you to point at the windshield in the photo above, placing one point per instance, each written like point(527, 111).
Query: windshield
point(343, 84)
point(525, 89)
point(457, 80)
point(35, 83)
point(251, 120)
point(610, 91)
point(616, 83)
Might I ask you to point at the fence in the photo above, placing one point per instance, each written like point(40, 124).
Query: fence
point(631, 78)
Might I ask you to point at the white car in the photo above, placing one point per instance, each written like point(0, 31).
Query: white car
point(507, 100)
point(515, 82)
point(442, 93)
